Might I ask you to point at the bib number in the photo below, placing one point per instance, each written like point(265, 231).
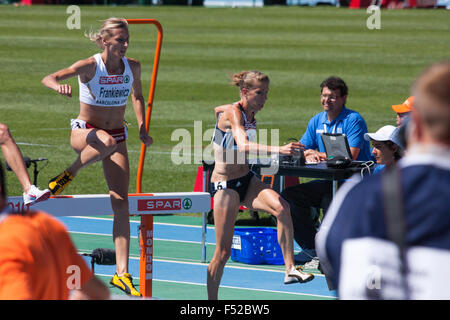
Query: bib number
point(77, 124)
point(220, 185)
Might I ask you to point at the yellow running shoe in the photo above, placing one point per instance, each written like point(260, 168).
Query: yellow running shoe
point(57, 184)
point(125, 283)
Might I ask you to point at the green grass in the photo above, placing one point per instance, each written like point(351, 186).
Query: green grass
point(296, 46)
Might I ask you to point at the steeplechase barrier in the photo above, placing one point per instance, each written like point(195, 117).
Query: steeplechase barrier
point(143, 205)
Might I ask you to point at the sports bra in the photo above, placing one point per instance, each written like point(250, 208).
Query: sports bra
point(226, 139)
point(107, 90)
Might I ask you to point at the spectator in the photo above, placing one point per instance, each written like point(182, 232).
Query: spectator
point(387, 148)
point(335, 118)
point(369, 250)
point(403, 110)
point(38, 260)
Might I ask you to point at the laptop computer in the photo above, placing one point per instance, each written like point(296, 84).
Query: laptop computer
point(336, 145)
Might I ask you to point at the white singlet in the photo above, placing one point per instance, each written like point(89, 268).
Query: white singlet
point(107, 90)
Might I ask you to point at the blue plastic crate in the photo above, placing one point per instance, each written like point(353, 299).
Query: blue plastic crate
point(256, 246)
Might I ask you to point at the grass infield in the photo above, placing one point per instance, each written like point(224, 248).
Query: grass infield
point(297, 47)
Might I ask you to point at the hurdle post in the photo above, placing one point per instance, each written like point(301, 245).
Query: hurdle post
point(146, 259)
point(146, 229)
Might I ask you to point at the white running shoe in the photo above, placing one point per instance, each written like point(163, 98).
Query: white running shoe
point(34, 195)
point(305, 256)
point(297, 275)
point(313, 264)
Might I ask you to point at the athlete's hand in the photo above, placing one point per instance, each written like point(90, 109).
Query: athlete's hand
point(65, 90)
point(4, 133)
point(146, 139)
point(292, 149)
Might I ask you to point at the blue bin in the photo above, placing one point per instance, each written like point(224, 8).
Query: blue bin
point(256, 246)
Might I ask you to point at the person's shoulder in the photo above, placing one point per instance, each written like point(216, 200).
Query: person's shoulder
point(46, 222)
point(16, 228)
point(87, 65)
point(11, 220)
point(361, 189)
point(227, 112)
point(319, 115)
point(87, 62)
point(317, 118)
point(352, 114)
point(226, 108)
point(134, 63)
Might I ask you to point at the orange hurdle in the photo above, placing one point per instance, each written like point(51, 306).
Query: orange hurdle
point(146, 238)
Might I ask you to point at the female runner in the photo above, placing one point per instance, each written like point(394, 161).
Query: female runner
point(233, 184)
point(98, 133)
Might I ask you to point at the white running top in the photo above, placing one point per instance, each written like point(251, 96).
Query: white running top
point(107, 90)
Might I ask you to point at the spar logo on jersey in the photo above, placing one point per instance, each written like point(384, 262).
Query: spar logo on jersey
point(113, 79)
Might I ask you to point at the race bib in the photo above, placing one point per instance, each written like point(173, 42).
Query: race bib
point(219, 185)
point(77, 124)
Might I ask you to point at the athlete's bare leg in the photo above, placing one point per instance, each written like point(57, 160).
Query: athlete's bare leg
point(226, 208)
point(92, 145)
point(117, 175)
point(14, 157)
point(260, 197)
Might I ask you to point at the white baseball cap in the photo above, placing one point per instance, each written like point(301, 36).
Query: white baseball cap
point(386, 133)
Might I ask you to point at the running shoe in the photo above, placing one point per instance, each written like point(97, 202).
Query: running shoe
point(57, 184)
point(125, 283)
point(305, 256)
point(34, 195)
point(297, 275)
point(313, 264)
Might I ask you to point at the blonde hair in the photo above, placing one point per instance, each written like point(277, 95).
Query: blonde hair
point(106, 30)
point(248, 79)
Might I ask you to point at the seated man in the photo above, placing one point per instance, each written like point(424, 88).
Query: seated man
point(335, 118)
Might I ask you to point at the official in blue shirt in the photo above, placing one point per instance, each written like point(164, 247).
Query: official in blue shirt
point(349, 122)
point(335, 118)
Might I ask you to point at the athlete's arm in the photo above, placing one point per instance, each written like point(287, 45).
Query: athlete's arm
point(220, 109)
point(234, 115)
point(138, 101)
point(83, 68)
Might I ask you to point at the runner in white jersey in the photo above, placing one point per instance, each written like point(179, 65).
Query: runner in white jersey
point(106, 81)
point(233, 184)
